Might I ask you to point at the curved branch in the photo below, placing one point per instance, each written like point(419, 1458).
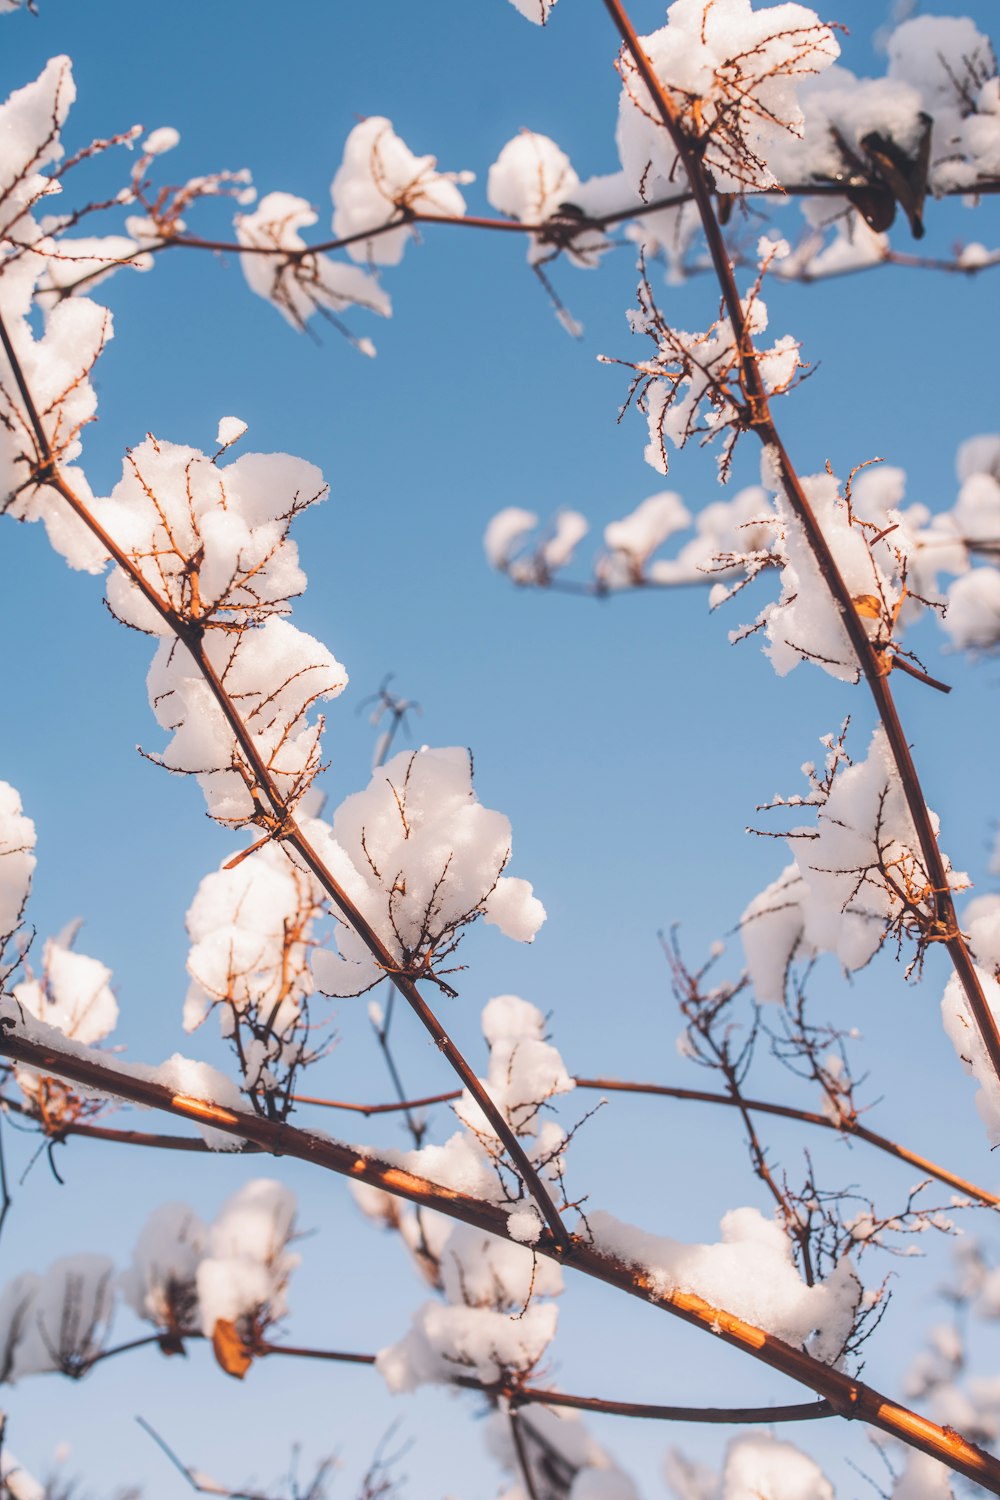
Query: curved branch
point(532, 1395)
point(523, 1395)
point(845, 1125)
point(945, 926)
point(559, 231)
point(849, 1398)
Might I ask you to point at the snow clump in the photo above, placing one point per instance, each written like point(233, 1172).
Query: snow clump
point(732, 75)
point(17, 862)
point(421, 858)
point(379, 181)
point(299, 282)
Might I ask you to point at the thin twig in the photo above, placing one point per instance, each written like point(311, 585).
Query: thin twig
point(199, 1485)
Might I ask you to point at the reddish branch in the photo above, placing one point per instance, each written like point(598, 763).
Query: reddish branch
point(531, 1395)
point(283, 824)
point(516, 1394)
point(844, 1125)
point(848, 1125)
point(944, 926)
point(848, 1398)
point(560, 230)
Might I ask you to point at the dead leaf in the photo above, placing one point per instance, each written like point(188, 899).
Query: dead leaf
point(867, 606)
point(230, 1350)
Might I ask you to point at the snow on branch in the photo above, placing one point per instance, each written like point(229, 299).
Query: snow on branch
point(858, 878)
point(732, 75)
point(380, 180)
point(300, 284)
point(422, 859)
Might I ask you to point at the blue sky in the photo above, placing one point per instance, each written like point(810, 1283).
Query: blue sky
point(627, 741)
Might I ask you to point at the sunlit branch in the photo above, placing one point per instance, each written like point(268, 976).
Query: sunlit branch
point(944, 926)
point(845, 1125)
point(849, 1398)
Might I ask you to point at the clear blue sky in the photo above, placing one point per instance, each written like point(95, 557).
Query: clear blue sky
point(627, 741)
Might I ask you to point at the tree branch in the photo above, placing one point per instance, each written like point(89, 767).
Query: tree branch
point(945, 926)
point(844, 1126)
point(559, 231)
point(287, 829)
point(848, 1398)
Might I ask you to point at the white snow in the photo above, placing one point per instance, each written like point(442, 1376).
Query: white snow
point(300, 284)
point(17, 861)
point(744, 68)
point(245, 1270)
point(422, 858)
point(750, 1273)
point(164, 138)
point(535, 10)
point(504, 534)
point(378, 180)
point(160, 1285)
